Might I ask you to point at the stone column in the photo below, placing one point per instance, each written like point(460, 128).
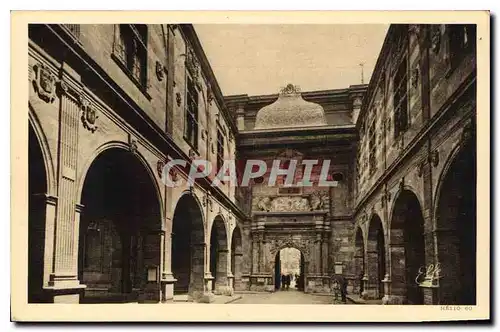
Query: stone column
point(63, 281)
point(324, 254)
point(238, 261)
point(221, 280)
point(317, 258)
point(372, 287)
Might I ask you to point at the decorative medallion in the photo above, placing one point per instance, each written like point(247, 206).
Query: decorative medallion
point(44, 83)
point(89, 115)
point(434, 158)
point(178, 98)
point(160, 72)
point(290, 89)
point(436, 38)
point(415, 73)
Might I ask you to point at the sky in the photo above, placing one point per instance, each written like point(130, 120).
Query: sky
point(261, 59)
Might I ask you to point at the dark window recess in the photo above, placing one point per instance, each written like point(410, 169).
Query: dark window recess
point(372, 148)
point(220, 150)
point(191, 127)
point(131, 51)
point(74, 29)
point(462, 41)
point(401, 98)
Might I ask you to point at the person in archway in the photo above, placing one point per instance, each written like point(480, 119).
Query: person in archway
point(283, 281)
point(343, 289)
point(287, 281)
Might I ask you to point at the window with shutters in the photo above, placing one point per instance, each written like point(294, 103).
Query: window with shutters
point(73, 29)
point(130, 51)
point(220, 150)
point(191, 121)
point(462, 39)
point(372, 148)
point(401, 98)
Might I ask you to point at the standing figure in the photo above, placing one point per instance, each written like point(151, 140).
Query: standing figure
point(283, 281)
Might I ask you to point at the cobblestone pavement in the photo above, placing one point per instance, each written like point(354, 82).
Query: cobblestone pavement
point(284, 297)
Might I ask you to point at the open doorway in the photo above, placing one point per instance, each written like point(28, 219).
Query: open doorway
point(289, 270)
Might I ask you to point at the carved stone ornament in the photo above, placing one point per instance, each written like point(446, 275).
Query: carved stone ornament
point(192, 154)
point(420, 170)
point(160, 72)
point(434, 158)
point(415, 29)
point(174, 174)
point(160, 164)
point(89, 115)
point(192, 65)
point(132, 144)
point(436, 38)
point(210, 95)
point(402, 184)
point(467, 132)
point(415, 74)
point(178, 98)
point(44, 83)
point(290, 89)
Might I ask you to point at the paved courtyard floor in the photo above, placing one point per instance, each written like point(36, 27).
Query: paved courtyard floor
point(284, 297)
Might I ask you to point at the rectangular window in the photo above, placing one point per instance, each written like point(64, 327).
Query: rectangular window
point(220, 150)
point(74, 29)
point(131, 51)
point(462, 41)
point(372, 148)
point(191, 127)
point(401, 98)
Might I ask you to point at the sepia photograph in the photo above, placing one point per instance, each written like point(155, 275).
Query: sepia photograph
point(179, 164)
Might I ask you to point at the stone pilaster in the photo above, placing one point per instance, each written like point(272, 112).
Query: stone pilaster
point(63, 279)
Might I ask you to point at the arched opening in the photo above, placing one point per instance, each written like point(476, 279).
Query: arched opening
point(289, 271)
point(37, 202)
point(456, 230)
point(359, 260)
point(188, 248)
point(376, 258)
point(218, 255)
point(237, 258)
point(407, 248)
point(119, 230)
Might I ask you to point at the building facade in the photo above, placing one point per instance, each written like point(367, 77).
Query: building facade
point(110, 105)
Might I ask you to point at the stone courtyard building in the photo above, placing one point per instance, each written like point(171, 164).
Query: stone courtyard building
point(110, 105)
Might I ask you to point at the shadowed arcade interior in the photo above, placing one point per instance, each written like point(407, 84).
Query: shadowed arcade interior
point(120, 216)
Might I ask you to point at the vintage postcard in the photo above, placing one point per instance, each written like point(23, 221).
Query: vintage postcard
point(250, 166)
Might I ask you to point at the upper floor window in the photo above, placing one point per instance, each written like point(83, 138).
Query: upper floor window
point(462, 40)
point(191, 126)
point(131, 51)
point(74, 29)
point(220, 149)
point(372, 147)
point(401, 98)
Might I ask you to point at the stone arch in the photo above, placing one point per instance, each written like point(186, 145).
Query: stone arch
point(219, 255)
point(188, 246)
point(376, 257)
point(36, 127)
point(38, 186)
point(455, 224)
point(278, 274)
point(401, 189)
point(237, 257)
point(139, 156)
point(406, 248)
point(120, 230)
